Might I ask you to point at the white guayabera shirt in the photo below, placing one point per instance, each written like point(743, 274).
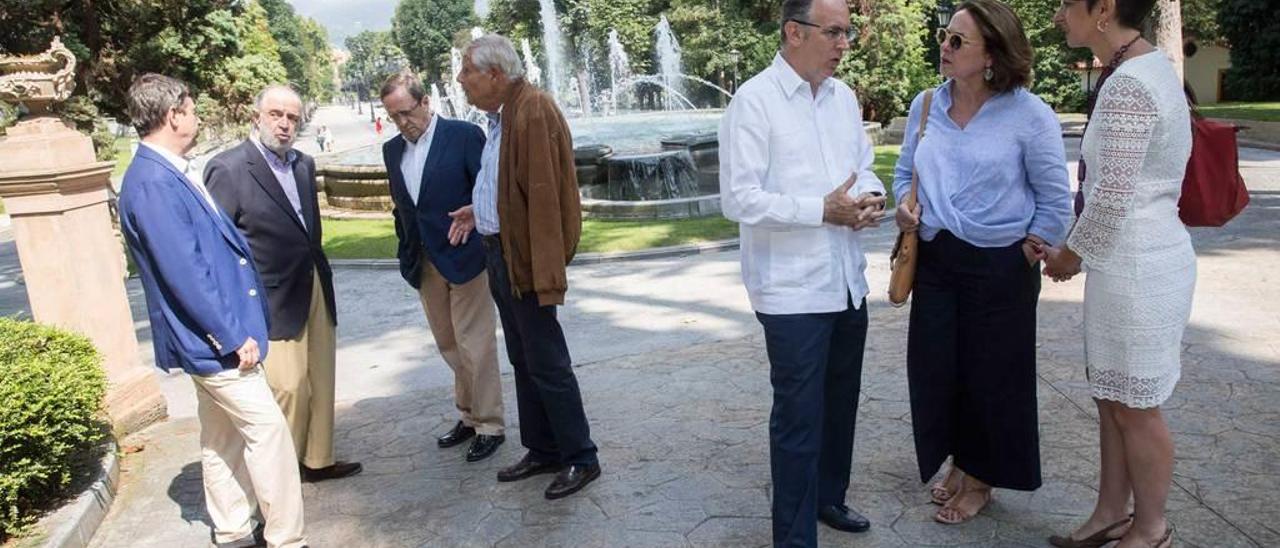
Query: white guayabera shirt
point(782, 149)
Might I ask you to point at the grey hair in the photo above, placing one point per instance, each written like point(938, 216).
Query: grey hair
point(257, 100)
point(151, 97)
point(794, 10)
point(404, 79)
point(496, 51)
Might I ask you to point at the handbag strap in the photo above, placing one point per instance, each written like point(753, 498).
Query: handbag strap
point(915, 176)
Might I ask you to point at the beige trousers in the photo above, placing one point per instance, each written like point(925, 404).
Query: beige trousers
point(247, 459)
point(301, 374)
point(464, 324)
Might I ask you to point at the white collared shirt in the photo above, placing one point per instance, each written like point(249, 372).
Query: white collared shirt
point(415, 159)
point(183, 165)
point(782, 149)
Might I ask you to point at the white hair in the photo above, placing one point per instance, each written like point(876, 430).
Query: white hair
point(494, 51)
point(257, 101)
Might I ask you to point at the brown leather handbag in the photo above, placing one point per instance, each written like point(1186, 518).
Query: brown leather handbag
point(905, 251)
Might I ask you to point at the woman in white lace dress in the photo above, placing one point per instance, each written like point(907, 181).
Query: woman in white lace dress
point(1141, 266)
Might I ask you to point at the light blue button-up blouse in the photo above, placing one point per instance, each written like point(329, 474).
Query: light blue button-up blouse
point(1002, 177)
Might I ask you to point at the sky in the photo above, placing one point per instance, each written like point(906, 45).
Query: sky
point(344, 18)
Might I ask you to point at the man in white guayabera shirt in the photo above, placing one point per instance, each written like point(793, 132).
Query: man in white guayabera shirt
point(795, 171)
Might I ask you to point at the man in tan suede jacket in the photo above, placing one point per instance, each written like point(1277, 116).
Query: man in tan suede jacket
point(526, 207)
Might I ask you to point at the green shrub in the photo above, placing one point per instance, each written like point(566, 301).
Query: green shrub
point(51, 418)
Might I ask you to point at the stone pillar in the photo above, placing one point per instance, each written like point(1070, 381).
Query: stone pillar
point(56, 195)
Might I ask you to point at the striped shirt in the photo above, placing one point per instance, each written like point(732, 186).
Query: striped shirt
point(485, 194)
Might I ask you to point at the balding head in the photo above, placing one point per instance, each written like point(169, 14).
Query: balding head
point(278, 113)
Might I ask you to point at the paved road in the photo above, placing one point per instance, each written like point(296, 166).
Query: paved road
point(675, 382)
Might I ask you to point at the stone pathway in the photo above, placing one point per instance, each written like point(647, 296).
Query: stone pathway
point(675, 382)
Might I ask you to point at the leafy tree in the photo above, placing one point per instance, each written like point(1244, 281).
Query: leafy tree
point(1252, 29)
point(424, 30)
point(222, 48)
point(887, 66)
point(284, 27)
point(1200, 19)
point(1053, 79)
point(374, 57)
point(319, 55)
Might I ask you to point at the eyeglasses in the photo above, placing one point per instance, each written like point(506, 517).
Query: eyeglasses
point(402, 115)
point(946, 37)
point(832, 33)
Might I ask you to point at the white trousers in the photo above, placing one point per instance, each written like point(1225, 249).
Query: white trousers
point(248, 459)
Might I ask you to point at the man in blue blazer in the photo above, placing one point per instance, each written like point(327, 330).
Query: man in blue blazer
point(432, 167)
point(208, 317)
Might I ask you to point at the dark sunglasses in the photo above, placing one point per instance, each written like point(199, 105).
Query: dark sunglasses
point(946, 37)
point(832, 33)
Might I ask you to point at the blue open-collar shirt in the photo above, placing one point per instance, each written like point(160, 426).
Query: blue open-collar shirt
point(995, 181)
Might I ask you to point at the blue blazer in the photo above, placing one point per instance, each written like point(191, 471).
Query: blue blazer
point(204, 296)
point(447, 180)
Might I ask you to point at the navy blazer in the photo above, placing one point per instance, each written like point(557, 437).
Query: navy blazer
point(204, 296)
point(287, 252)
point(453, 162)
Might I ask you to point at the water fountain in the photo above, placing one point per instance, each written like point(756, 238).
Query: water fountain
point(553, 46)
point(631, 164)
point(532, 73)
point(667, 50)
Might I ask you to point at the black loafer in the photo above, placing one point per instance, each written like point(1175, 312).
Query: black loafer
point(457, 435)
point(334, 471)
point(484, 446)
point(572, 479)
point(527, 467)
point(843, 518)
point(255, 539)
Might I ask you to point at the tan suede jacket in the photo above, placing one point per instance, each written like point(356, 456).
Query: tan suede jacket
point(539, 208)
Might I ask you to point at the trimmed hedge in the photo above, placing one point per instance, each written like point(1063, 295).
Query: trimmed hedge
point(52, 425)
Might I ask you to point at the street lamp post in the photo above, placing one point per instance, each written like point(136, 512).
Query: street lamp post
point(945, 11)
point(734, 57)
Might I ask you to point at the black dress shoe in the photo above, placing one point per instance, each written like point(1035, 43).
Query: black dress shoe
point(572, 479)
point(255, 539)
point(484, 446)
point(527, 467)
point(839, 516)
point(459, 434)
point(334, 471)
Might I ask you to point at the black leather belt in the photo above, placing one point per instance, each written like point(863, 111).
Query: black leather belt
point(491, 240)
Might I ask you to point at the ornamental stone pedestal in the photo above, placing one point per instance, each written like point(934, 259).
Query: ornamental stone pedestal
point(56, 194)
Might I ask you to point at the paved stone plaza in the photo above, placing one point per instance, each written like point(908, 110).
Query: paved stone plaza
point(675, 382)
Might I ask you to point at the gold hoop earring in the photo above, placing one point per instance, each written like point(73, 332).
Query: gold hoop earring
point(1101, 26)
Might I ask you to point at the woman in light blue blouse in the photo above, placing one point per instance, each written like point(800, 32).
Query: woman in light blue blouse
point(993, 179)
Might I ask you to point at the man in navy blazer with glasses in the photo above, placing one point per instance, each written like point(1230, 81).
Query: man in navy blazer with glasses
point(432, 167)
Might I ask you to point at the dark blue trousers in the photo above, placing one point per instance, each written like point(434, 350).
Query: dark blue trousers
point(553, 424)
point(815, 367)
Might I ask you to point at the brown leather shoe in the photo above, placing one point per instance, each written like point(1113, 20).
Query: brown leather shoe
point(334, 471)
point(572, 479)
point(527, 467)
point(1099, 538)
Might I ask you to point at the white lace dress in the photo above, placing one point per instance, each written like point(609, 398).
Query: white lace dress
point(1141, 268)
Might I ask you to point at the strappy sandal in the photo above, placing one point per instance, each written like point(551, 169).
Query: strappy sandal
point(951, 515)
point(938, 492)
point(1165, 541)
point(1097, 539)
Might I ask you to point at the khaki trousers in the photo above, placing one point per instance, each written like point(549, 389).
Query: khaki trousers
point(464, 324)
point(247, 459)
point(301, 374)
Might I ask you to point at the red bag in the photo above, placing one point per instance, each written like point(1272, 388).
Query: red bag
point(1213, 191)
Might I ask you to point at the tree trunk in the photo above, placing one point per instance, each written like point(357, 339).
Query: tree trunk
point(1168, 31)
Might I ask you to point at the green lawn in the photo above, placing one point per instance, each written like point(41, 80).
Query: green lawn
point(1266, 112)
point(124, 155)
point(376, 239)
point(886, 158)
